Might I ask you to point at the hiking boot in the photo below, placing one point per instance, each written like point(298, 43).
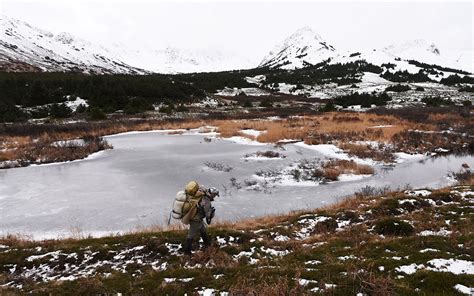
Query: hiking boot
point(188, 245)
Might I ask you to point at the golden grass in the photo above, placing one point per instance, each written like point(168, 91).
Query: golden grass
point(334, 127)
point(336, 167)
point(307, 127)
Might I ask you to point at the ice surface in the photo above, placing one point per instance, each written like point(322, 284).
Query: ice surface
point(132, 186)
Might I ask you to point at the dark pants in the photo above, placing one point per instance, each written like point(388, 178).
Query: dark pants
point(196, 228)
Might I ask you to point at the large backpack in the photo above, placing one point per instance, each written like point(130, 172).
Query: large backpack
point(185, 204)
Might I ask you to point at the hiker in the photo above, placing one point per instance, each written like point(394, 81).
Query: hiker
point(202, 210)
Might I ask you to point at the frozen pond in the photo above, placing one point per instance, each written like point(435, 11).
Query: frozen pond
point(133, 185)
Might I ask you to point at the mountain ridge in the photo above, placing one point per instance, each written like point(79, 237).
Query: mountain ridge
point(25, 48)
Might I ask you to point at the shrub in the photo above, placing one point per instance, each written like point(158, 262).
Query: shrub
point(328, 107)
point(328, 225)
point(455, 79)
point(398, 88)
point(266, 103)
point(137, 105)
point(463, 176)
point(267, 154)
point(405, 76)
point(391, 226)
point(59, 111)
point(166, 109)
point(11, 113)
point(467, 89)
point(363, 99)
point(436, 101)
point(81, 108)
point(96, 114)
point(182, 108)
point(247, 104)
point(39, 112)
point(220, 167)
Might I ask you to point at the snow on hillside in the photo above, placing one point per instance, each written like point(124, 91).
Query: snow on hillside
point(175, 60)
point(300, 49)
point(430, 53)
point(22, 44)
point(305, 47)
point(27, 48)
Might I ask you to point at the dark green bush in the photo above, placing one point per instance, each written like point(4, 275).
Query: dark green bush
point(363, 99)
point(247, 104)
point(137, 105)
point(398, 88)
point(391, 226)
point(266, 103)
point(96, 114)
point(59, 111)
point(437, 101)
point(11, 113)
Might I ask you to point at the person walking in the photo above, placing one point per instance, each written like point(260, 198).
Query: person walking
point(203, 210)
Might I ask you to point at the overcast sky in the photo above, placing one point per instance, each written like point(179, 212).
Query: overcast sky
point(253, 28)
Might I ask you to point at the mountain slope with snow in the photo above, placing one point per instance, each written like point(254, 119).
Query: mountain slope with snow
point(305, 47)
point(302, 48)
point(24, 47)
point(173, 60)
point(27, 48)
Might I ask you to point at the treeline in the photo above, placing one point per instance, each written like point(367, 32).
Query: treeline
point(104, 93)
point(405, 76)
point(431, 67)
point(110, 92)
point(213, 81)
point(366, 100)
point(455, 79)
point(342, 74)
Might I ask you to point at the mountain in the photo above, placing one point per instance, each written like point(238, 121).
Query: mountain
point(175, 60)
point(305, 47)
point(429, 53)
point(27, 48)
point(302, 48)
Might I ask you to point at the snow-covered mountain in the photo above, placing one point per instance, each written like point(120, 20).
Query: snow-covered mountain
point(27, 48)
point(305, 47)
point(429, 53)
point(302, 48)
point(176, 60)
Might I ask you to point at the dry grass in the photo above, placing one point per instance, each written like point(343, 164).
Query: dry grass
point(310, 128)
point(336, 167)
point(381, 153)
point(336, 127)
point(262, 287)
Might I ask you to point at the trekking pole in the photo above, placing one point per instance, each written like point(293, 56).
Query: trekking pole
point(169, 219)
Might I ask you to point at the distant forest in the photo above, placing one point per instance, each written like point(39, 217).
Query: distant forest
point(137, 93)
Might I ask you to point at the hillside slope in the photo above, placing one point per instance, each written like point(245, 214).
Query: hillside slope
point(27, 48)
point(376, 243)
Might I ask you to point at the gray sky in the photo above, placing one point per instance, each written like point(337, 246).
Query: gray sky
point(253, 28)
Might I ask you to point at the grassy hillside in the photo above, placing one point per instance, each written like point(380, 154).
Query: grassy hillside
point(374, 243)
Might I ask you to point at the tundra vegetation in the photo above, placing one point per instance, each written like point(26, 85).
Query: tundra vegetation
point(376, 135)
point(376, 242)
